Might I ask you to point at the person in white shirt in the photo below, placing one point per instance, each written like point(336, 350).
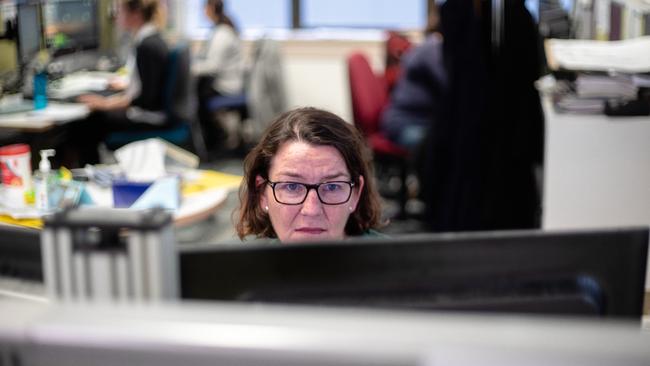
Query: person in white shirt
point(219, 66)
point(142, 105)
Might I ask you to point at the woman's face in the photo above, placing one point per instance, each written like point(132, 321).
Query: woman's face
point(208, 10)
point(127, 19)
point(312, 220)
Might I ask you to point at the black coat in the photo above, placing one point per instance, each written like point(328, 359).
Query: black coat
point(482, 150)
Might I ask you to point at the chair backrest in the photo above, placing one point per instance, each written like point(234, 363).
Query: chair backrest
point(368, 93)
point(177, 89)
point(178, 99)
point(266, 85)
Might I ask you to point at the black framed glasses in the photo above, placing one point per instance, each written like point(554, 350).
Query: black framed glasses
point(329, 193)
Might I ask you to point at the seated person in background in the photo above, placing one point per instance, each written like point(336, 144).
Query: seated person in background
point(219, 65)
point(309, 178)
point(141, 106)
point(416, 95)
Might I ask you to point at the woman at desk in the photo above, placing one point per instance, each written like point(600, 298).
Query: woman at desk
point(309, 178)
point(140, 107)
point(219, 66)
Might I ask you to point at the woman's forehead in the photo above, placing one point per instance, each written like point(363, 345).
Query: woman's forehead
point(301, 159)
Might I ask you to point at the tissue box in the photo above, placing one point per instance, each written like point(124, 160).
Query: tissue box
point(125, 193)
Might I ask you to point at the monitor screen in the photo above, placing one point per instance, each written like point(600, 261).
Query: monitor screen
point(71, 25)
point(29, 31)
point(595, 273)
point(20, 253)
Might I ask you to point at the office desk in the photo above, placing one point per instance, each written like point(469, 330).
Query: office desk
point(201, 198)
point(45, 119)
point(57, 112)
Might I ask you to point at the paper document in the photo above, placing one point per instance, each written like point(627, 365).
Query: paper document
point(606, 87)
point(628, 56)
point(34, 223)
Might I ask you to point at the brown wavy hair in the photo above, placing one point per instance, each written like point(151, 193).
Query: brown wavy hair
point(316, 127)
point(218, 8)
point(150, 9)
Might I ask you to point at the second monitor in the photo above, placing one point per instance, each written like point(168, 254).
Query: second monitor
point(71, 26)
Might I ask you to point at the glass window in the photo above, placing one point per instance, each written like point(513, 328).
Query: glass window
point(246, 14)
point(260, 14)
point(403, 14)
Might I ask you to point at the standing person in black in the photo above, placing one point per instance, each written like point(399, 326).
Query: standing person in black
point(140, 107)
point(487, 141)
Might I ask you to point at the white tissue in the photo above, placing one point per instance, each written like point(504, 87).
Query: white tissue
point(142, 161)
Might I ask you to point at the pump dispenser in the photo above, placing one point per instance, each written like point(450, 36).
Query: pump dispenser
point(43, 180)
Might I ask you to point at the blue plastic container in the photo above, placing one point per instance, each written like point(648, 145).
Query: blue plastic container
point(125, 193)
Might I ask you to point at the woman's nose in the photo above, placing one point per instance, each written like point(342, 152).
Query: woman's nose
point(312, 204)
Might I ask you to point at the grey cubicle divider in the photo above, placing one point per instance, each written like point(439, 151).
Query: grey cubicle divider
point(109, 254)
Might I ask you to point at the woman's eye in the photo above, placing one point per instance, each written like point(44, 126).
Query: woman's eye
point(291, 187)
point(332, 187)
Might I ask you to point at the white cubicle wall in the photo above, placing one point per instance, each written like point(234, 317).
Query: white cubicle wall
point(316, 71)
point(597, 171)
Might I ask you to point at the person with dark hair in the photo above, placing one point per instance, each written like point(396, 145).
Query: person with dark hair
point(141, 105)
point(221, 58)
point(416, 96)
point(219, 66)
point(309, 178)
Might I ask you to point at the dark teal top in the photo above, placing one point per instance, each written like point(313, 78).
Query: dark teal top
point(374, 234)
point(368, 234)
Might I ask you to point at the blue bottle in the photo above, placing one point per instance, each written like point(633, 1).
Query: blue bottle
point(40, 90)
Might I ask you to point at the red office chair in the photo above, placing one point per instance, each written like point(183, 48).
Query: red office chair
point(369, 98)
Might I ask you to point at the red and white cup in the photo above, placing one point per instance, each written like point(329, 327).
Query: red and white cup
point(16, 169)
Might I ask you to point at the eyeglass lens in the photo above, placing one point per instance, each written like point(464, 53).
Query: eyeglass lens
point(329, 192)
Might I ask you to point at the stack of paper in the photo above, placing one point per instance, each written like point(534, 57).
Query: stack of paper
point(605, 87)
point(627, 56)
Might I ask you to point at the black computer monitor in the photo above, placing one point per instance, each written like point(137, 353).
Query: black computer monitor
point(597, 273)
point(71, 26)
point(20, 253)
point(30, 32)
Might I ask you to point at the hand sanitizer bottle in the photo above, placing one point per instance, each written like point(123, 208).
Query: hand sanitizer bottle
point(42, 185)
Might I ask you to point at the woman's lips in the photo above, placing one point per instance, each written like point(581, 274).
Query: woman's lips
point(310, 230)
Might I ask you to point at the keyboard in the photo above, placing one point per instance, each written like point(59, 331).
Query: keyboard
point(73, 97)
point(71, 86)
